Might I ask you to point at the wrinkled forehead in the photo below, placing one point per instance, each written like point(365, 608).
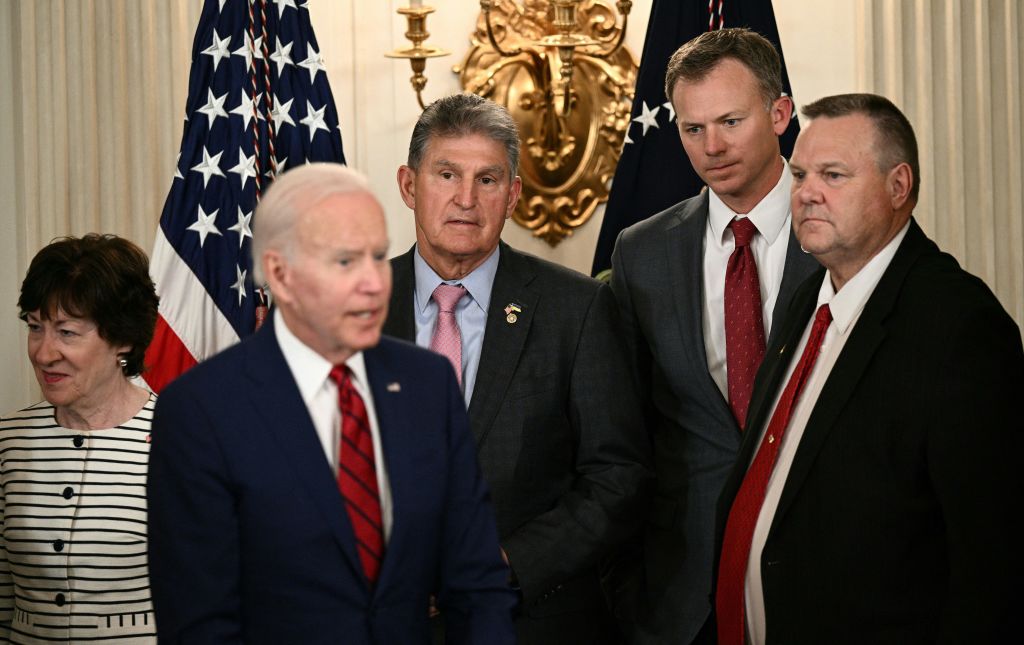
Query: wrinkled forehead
point(465, 149)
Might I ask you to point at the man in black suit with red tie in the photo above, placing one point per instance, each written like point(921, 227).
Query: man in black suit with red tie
point(875, 497)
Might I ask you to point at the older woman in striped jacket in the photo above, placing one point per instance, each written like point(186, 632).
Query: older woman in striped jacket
point(73, 467)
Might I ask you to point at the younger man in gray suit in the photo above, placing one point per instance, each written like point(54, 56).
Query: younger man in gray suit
point(699, 286)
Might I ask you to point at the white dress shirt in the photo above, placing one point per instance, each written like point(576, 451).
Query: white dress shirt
point(312, 374)
point(772, 218)
point(846, 307)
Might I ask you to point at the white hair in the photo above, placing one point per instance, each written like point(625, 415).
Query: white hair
point(291, 195)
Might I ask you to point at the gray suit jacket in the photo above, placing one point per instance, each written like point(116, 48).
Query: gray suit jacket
point(559, 437)
point(657, 278)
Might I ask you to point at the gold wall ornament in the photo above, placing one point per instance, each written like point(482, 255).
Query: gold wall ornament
point(561, 70)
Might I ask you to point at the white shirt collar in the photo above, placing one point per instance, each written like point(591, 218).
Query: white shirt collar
point(847, 304)
point(769, 215)
point(309, 369)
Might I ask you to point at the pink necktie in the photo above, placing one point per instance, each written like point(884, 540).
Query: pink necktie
point(744, 325)
point(357, 475)
point(447, 340)
point(739, 528)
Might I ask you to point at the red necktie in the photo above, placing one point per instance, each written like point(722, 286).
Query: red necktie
point(739, 528)
point(744, 325)
point(357, 474)
point(447, 341)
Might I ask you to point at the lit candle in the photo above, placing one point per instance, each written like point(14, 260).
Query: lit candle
point(415, 4)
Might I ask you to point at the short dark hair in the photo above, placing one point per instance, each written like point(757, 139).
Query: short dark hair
point(895, 142)
point(696, 58)
point(464, 114)
point(103, 278)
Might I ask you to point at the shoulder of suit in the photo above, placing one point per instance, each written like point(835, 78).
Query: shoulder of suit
point(551, 275)
point(937, 278)
point(391, 348)
point(403, 259)
point(655, 225)
point(216, 373)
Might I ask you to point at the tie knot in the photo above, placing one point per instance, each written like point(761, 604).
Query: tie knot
point(340, 374)
point(743, 230)
point(448, 295)
point(824, 316)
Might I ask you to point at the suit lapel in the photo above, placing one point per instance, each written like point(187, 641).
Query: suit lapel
point(777, 361)
point(684, 246)
point(401, 321)
point(277, 399)
point(849, 368)
point(766, 385)
point(503, 341)
point(395, 433)
point(798, 266)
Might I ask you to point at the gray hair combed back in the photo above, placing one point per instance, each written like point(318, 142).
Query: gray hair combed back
point(465, 114)
point(291, 195)
point(696, 58)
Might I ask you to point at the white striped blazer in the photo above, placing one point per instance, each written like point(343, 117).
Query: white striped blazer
point(73, 563)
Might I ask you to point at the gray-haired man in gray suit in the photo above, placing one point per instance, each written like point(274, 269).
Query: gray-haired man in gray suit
point(556, 419)
point(699, 289)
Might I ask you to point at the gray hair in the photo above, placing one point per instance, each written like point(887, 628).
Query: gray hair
point(291, 195)
point(460, 115)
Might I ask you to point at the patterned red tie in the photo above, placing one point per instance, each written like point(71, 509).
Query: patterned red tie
point(744, 325)
point(357, 474)
point(739, 528)
point(447, 341)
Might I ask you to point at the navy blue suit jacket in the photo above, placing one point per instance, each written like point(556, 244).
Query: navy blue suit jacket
point(249, 538)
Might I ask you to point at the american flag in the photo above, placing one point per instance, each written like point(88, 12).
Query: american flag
point(258, 103)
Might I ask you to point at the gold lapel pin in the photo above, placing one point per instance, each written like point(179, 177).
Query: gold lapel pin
point(394, 387)
point(510, 313)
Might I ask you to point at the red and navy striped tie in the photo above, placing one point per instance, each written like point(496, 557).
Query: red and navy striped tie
point(357, 475)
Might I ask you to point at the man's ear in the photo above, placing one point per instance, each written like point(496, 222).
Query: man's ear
point(407, 185)
point(899, 183)
point(513, 195)
point(781, 112)
point(276, 271)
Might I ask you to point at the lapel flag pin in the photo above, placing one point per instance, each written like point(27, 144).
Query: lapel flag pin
point(394, 387)
point(510, 313)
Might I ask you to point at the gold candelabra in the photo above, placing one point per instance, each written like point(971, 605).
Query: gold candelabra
point(416, 17)
point(561, 69)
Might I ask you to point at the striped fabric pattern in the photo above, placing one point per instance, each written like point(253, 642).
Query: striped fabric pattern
point(73, 563)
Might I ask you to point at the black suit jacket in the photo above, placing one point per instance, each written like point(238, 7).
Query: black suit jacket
point(898, 522)
point(559, 437)
point(663, 589)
